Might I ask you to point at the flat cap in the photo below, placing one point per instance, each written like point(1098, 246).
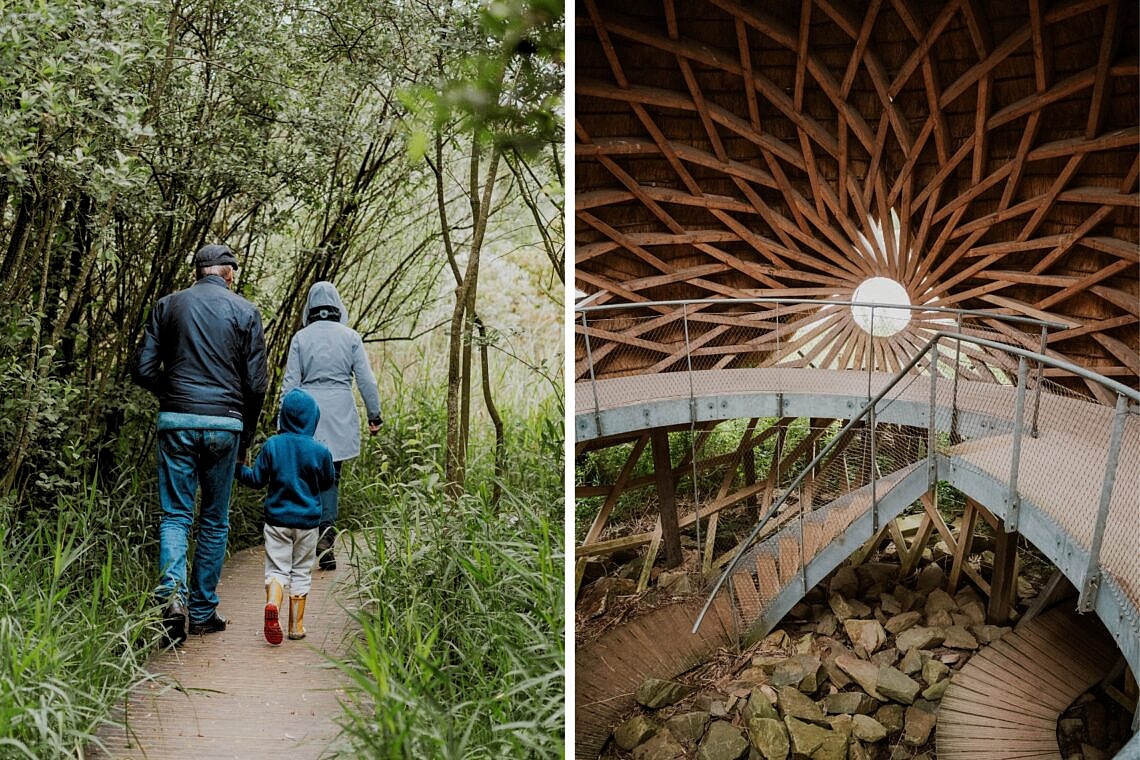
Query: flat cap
point(214, 255)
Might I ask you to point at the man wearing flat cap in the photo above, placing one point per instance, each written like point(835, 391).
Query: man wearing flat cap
point(203, 355)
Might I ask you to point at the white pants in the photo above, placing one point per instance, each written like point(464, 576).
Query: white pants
point(289, 557)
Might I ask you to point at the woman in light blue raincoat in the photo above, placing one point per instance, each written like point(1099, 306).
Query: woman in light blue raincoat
point(324, 357)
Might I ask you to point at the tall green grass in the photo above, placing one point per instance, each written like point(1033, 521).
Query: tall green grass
point(461, 651)
point(74, 623)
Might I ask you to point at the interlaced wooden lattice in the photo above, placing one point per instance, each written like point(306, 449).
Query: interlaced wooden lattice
point(983, 155)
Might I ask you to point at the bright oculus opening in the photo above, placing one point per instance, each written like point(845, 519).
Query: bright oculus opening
point(881, 321)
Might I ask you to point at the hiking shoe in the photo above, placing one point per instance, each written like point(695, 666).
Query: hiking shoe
point(175, 620)
point(212, 624)
point(326, 560)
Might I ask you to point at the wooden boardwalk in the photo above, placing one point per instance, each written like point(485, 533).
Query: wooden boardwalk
point(232, 695)
point(655, 644)
point(1005, 702)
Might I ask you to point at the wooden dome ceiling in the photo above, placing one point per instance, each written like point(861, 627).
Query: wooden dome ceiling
point(731, 149)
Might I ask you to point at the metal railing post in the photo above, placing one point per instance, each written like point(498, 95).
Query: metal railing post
point(1093, 574)
point(593, 379)
point(692, 428)
point(870, 352)
point(874, 475)
point(1013, 500)
point(1040, 375)
point(932, 432)
point(957, 371)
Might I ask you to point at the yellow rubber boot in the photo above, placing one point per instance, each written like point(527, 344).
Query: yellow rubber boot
point(297, 616)
point(273, 597)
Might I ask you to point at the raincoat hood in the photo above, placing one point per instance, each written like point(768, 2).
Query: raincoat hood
point(299, 413)
point(324, 294)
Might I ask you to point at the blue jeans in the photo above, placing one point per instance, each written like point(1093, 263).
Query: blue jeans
point(187, 459)
point(330, 501)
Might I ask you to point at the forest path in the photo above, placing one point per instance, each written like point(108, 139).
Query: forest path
point(231, 694)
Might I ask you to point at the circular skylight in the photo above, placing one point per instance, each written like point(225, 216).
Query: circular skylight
point(879, 321)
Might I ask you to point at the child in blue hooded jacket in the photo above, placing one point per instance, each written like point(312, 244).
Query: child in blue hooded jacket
point(295, 469)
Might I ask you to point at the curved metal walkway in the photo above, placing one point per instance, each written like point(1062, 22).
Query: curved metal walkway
point(1056, 486)
point(1004, 703)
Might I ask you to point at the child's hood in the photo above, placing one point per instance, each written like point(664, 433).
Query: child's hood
point(299, 413)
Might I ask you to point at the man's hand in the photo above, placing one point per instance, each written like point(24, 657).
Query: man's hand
point(373, 428)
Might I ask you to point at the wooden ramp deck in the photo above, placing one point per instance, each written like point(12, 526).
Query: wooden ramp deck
point(657, 644)
point(232, 695)
point(1005, 702)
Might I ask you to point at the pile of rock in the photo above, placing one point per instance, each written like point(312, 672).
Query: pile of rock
point(855, 672)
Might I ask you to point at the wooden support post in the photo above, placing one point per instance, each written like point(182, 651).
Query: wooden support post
point(748, 462)
point(666, 497)
point(965, 542)
point(1054, 590)
point(1003, 582)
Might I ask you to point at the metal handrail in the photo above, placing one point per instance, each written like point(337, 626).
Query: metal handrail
point(868, 409)
point(826, 302)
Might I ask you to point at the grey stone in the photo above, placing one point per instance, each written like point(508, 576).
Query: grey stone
point(661, 747)
point(826, 624)
point(913, 661)
point(794, 704)
point(723, 741)
point(769, 737)
point(794, 670)
point(845, 608)
point(891, 716)
point(841, 724)
point(654, 693)
point(919, 637)
point(768, 662)
point(634, 731)
point(888, 656)
point(844, 581)
point(940, 619)
point(755, 676)
point(986, 634)
point(834, 747)
point(596, 597)
point(856, 751)
point(890, 604)
point(865, 635)
point(938, 600)
point(902, 621)
point(958, 637)
point(931, 577)
point(843, 702)
point(668, 577)
point(877, 573)
point(805, 738)
point(758, 706)
point(689, 726)
point(868, 729)
point(865, 673)
point(896, 685)
point(919, 724)
point(934, 671)
point(936, 691)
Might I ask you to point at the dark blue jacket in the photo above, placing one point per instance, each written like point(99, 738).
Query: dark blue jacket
point(203, 352)
point(293, 465)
